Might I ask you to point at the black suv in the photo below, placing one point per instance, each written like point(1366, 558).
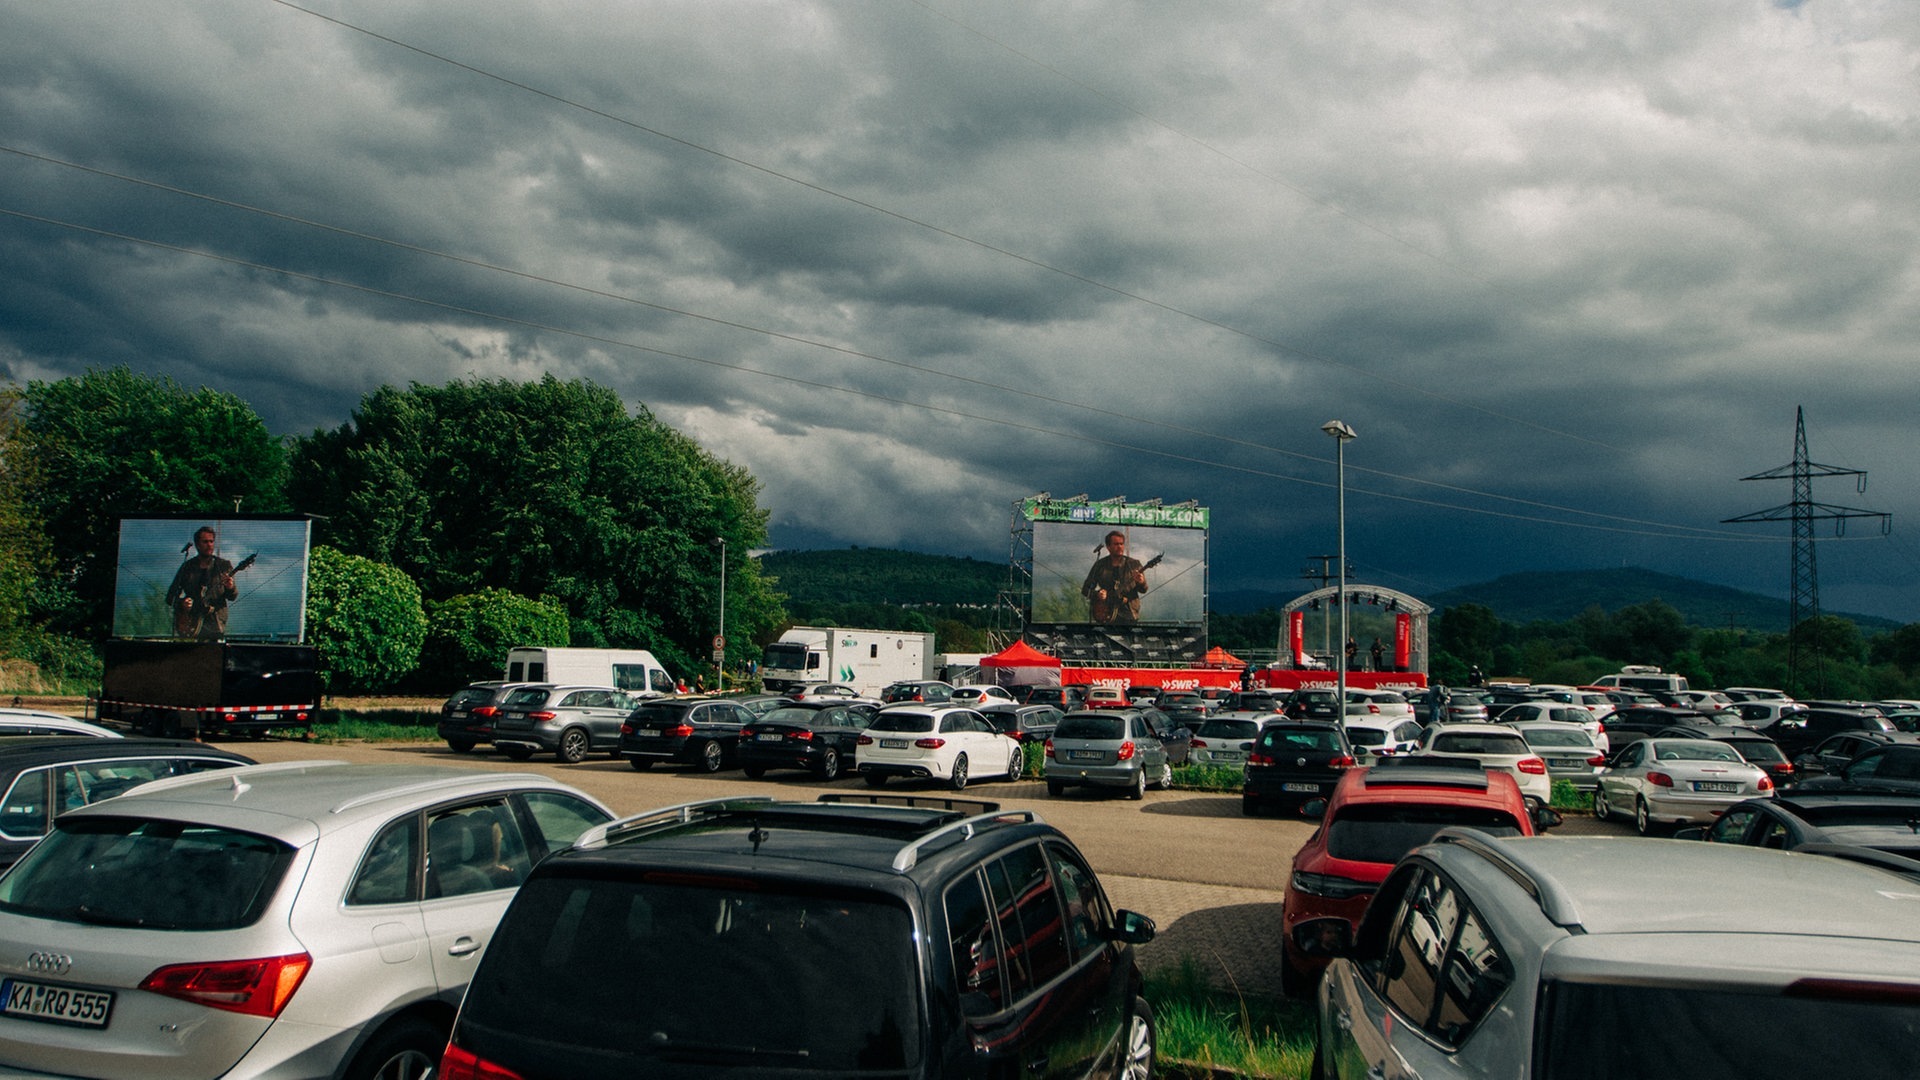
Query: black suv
point(701, 732)
point(863, 935)
point(466, 718)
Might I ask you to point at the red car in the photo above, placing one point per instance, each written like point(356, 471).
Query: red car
point(1375, 816)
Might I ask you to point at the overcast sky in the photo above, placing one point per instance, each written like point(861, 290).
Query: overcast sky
point(1567, 270)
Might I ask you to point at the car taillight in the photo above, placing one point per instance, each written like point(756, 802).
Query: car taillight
point(1199, 743)
point(1599, 728)
point(929, 744)
point(254, 987)
point(540, 717)
point(1766, 783)
point(803, 734)
point(1049, 747)
point(484, 711)
point(1659, 779)
point(1532, 766)
point(1597, 760)
point(626, 729)
point(864, 740)
point(1344, 761)
point(1259, 759)
point(1331, 886)
point(1784, 768)
point(682, 731)
point(459, 1063)
point(1373, 709)
point(1126, 751)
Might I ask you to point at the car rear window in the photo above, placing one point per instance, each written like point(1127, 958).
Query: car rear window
point(1229, 729)
point(156, 875)
point(1383, 832)
point(660, 712)
point(1089, 727)
point(1551, 737)
point(588, 978)
point(520, 698)
point(1474, 742)
point(902, 721)
point(1294, 739)
point(1360, 736)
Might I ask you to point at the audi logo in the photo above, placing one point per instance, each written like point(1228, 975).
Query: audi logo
point(48, 963)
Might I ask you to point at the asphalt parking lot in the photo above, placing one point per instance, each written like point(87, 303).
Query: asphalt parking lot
point(1209, 876)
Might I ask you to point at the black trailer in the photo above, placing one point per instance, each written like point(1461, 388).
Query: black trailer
point(195, 688)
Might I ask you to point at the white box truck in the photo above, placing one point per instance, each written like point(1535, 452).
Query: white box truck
point(866, 660)
point(632, 670)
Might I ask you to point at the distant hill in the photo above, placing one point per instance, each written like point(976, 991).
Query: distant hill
point(881, 576)
point(1556, 596)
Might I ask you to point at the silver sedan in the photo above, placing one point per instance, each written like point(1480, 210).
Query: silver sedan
point(1669, 782)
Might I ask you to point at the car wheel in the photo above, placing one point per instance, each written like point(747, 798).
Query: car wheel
point(957, 779)
point(518, 753)
point(1294, 983)
point(460, 746)
point(875, 779)
point(640, 764)
point(1643, 819)
point(573, 746)
point(1601, 809)
point(1166, 778)
point(1138, 789)
point(829, 764)
point(1249, 806)
point(1138, 1064)
point(1055, 787)
point(712, 756)
point(754, 772)
point(407, 1050)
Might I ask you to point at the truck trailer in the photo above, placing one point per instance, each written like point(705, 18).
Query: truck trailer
point(191, 688)
point(867, 660)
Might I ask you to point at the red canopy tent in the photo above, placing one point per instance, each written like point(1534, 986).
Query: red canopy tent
point(1221, 658)
point(1020, 664)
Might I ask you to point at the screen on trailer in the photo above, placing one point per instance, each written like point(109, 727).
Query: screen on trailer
point(1118, 574)
point(212, 578)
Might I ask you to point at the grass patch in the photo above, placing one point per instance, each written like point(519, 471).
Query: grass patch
point(375, 725)
point(1201, 1025)
point(1568, 797)
point(1208, 778)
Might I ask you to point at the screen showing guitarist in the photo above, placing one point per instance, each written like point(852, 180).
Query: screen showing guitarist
point(1114, 585)
point(202, 589)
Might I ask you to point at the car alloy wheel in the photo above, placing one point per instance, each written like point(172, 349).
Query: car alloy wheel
point(1600, 808)
point(408, 1051)
point(712, 756)
point(829, 764)
point(957, 780)
point(573, 746)
point(1138, 1064)
point(1017, 764)
point(1166, 778)
point(1138, 789)
point(1643, 818)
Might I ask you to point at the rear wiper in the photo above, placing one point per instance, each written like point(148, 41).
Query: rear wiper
point(671, 1047)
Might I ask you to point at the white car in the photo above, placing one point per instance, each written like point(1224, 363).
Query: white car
point(1668, 782)
point(1495, 746)
point(30, 722)
point(1706, 700)
point(976, 696)
point(1533, 712)
point(839, 693)
point(1387, 703)
point(1383, 736)
point(951, 744)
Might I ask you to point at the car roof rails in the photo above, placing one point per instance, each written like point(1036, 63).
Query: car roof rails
point(600, 835)
point(1556, 903)
point(960, 832)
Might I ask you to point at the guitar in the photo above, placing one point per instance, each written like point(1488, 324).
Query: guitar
point(191, 621)
point(1121, 605)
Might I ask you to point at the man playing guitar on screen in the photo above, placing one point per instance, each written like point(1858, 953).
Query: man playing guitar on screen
point(1114, 585)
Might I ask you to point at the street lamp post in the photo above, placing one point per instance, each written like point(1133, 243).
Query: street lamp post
point(1341, 434)
point(720, 640)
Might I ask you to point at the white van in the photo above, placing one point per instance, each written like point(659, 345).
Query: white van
point(1644, 677)
point(633, 670)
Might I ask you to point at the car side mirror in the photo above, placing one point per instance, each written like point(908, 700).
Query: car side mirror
point(1545, 817)
point(1313, 809)
point(1132, 927)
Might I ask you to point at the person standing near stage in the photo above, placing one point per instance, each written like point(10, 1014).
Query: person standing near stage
point(201, 590)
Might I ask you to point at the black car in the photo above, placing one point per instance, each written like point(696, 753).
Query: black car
point(921, 937)
point(1265, 701)
point(1063, 698)
point(1024, 723)
point(702, 732)
point(46, 776)
point(1894, 767)
point(817, 736)
point(1801, 731)
point(1313, 703)
point(466, 718)
point(923, 691)
point(1292, 762)
point(1834, 753)
point(1636, 722)
point(1885, 821)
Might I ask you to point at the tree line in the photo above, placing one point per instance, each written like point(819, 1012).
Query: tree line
point(449, 522)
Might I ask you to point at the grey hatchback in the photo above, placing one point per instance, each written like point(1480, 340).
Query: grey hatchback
point(1111, 748)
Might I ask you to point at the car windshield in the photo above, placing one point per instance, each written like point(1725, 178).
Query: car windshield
point(1694, 750)
point(161, 875)
point(1708, 1034)
point(902, 721)
point(1229, 729)
point(1383, 832)
point(1089, 727)
point(560, 993)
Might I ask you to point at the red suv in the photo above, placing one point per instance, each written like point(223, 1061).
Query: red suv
point(1375, 816)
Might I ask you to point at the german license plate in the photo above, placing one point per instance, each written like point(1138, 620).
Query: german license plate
point(1087, 755)
point(651, 732)
point(1715, 785)
point(55, 1004)
point(770, 736)
point(1566, 763)
point(893, 744)
point(457, 714)
point(1226, 755)
point(1315, 788)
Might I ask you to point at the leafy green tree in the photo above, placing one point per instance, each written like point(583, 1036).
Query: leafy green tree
point(365, 620)
point(1900, 648)
point(468, 635)
point(548, 489)
point(24, 558)
point(1652, 632)
point(112, 443)
point(1469, 632)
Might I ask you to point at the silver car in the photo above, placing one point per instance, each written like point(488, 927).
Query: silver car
point(1112, 748)
point(568, 722)
point(1570, 753)
point(304, 919)
point(1668, 782)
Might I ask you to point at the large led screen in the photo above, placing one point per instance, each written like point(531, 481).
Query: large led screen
point(1118, 575)
point(209, 579)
